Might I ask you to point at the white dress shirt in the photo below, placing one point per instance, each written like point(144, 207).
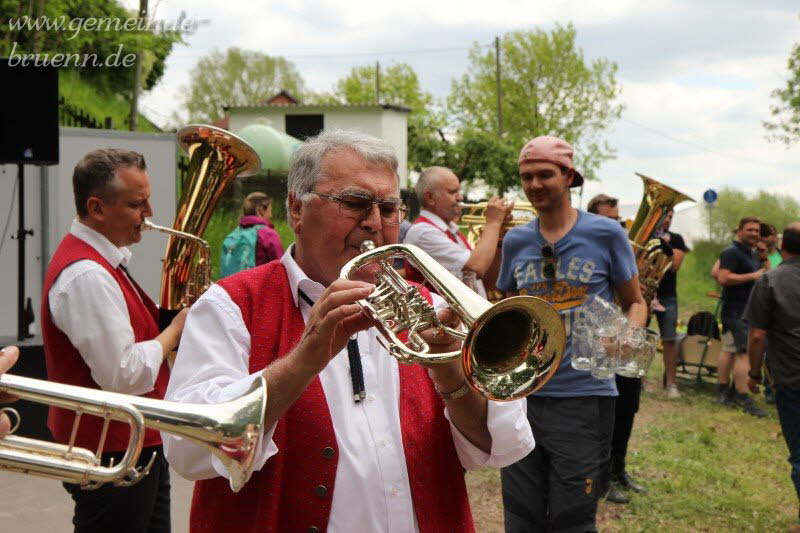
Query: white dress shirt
point(433, 240)
point(371, 491)
point(87, 304)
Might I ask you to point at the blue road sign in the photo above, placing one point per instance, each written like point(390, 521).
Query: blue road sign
point(710, 196)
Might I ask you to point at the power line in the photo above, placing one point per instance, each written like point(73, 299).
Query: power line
point(706, 149)
point(351, 54)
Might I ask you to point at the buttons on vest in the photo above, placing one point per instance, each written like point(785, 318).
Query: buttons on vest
point(321, 490)
point(313, 529)
point(328, 452)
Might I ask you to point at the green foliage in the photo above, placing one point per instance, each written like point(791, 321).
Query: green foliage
point(733, 205)
point(237, 77)
point(98, 102)
point(399, 85)
point(71, 38)
point(548, 89)
point(786, 111)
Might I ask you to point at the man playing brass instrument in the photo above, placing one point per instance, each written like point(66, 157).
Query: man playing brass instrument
point(101, 331)
point(439, 193)
point(353, 441)
point(564, 256)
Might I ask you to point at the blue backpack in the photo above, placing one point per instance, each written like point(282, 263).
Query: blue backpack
point(239, 250)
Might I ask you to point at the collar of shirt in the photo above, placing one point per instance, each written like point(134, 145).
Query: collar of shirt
point(743, 247)
point(114, 255)
point(298, 278)
point(438, 222)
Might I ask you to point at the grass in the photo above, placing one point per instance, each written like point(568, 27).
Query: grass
point(97, 102)
point(707, 468)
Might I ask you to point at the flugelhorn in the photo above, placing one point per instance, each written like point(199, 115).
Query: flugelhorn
point(510, 349)
point(216, 157)
point(651, 261)
point(230, 430)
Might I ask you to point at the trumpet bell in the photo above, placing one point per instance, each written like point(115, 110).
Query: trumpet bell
point(513, 348)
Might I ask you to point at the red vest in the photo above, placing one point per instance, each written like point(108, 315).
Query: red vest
point(65, 364)
point(284, 494)
point(412, 274)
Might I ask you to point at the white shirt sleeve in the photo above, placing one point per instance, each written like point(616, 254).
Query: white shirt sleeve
point(212, 366)
point(436, 243)
point(512, 437)
point(87, 304)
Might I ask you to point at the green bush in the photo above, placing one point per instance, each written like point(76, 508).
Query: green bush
point(695, 281)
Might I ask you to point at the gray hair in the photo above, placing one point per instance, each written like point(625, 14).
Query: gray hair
point(306, 167)
point(426, 182)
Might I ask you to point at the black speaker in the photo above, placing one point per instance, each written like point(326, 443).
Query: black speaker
point(28, 113)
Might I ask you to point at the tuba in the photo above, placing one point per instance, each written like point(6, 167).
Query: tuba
point(230, 430)
point(651, 261)
point(216, 157)
point(511, 348)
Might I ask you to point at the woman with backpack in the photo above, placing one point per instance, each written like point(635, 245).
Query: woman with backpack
point(254, 242)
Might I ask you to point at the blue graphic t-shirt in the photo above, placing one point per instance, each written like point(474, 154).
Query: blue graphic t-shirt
point(592, 258)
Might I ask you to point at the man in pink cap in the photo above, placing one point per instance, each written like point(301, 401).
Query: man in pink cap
point(565, 256)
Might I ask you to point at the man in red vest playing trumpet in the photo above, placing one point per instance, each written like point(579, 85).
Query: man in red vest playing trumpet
point(439, 193)
point(101, 331)
point(353, 440)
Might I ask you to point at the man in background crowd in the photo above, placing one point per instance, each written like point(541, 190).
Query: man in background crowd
point(629, 389)
point(739, 268)
point(667, 295)
point(773, 314)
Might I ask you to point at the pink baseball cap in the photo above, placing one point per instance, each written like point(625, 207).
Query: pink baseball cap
point(553, 150)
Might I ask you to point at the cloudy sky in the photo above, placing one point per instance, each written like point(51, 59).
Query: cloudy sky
point(696, 76)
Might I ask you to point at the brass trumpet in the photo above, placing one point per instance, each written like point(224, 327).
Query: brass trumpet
point(230, 430)
point(510, 349)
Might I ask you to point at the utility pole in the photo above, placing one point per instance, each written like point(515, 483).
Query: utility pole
point(499, 87)
point(377, 82)
point(137, 73)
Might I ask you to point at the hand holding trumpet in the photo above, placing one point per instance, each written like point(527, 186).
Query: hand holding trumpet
point(8, 356)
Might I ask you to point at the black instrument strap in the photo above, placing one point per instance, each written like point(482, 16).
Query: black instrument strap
point(353, 355)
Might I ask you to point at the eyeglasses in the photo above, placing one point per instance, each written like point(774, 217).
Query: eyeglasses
point(358, 206)
point(549, 255)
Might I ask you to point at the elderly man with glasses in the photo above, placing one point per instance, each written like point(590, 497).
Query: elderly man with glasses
point(353, 441)
point(565, 256)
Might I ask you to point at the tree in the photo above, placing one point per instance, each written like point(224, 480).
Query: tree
point(786, 127)
point(71, 38)
point(548, 88)
point(237, 77)
point(399, 85)
point(733, 205)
